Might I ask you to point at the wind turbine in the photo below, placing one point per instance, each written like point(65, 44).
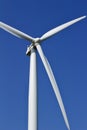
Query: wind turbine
point(31, 50)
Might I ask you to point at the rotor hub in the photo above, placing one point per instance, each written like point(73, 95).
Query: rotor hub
point(37, 40)
point(33, 45)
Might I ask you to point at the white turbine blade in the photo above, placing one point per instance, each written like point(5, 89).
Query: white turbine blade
point(54, 84)
point(59, 28)
point(15, 32)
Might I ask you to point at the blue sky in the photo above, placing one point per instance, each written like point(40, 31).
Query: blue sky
point(66, 52)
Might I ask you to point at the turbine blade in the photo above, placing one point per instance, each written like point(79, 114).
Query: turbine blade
point(54, 84)
point(15, 32)
point(60, 28)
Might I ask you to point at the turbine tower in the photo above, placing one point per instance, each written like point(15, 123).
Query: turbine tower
point(31, 51)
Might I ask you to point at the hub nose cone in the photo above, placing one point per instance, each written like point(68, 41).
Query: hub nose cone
point(37, 40)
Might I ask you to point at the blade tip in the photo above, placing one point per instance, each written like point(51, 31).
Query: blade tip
point(84, 16)
point(68, 127)
point(1, 23)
